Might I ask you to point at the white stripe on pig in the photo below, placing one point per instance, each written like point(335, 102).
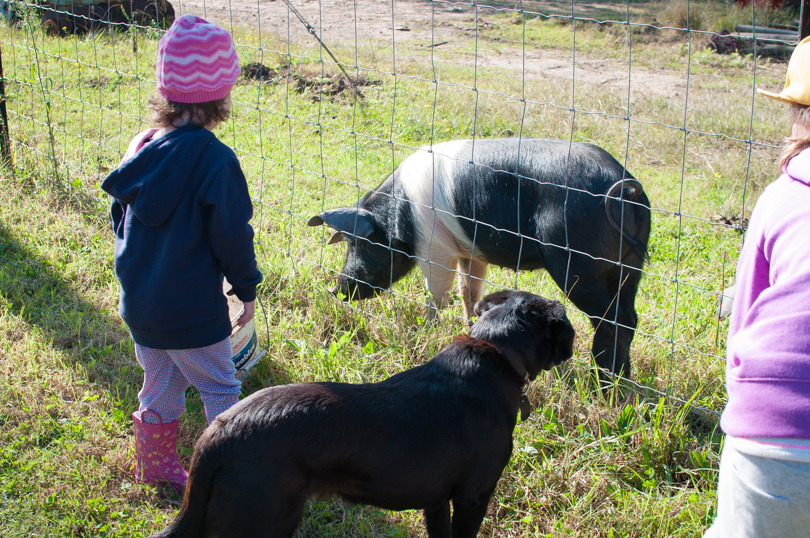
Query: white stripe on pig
point(428, 180)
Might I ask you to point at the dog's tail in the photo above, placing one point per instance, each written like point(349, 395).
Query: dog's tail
point(190, 519)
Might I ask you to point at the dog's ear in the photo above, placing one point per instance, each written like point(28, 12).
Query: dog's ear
point(564, 339)
point(491, 301)
point(563, 331)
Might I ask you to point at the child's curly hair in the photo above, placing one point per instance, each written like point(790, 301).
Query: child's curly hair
point(166, 112)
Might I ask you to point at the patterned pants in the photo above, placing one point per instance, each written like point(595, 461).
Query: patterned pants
point(168, 373)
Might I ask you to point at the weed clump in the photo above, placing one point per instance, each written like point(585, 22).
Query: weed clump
point(319, 86)
point(681, 15)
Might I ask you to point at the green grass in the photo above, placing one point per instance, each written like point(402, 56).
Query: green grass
point(629, 464)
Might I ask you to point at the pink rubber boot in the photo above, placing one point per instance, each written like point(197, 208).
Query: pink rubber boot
point(156, 453)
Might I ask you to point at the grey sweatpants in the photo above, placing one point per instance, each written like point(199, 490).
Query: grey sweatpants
point(761, 497)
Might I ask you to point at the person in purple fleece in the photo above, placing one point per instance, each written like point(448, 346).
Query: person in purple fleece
point(764, 483)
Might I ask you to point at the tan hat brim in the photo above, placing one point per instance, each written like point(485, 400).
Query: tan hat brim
point(777, 96)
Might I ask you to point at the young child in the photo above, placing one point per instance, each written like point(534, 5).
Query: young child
point(180, 213)
point(764, 485)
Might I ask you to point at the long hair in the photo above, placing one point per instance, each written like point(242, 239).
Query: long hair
point(799, 115)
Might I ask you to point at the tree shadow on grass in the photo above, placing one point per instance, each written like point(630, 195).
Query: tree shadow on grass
point(93, 338)
point(69, 384)
point(67, 331)
point(38, 294)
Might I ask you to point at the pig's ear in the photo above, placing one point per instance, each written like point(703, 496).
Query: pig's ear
point(337, 237)
point(353, 221)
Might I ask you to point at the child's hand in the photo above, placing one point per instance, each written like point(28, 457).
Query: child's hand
point(247, 315)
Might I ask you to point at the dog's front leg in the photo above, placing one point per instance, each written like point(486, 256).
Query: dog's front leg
point(437, 520)
point(468, 515)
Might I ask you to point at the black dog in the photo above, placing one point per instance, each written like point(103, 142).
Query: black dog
point(439, 432)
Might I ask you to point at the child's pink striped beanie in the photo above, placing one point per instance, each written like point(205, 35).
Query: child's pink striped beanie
point(196, 61)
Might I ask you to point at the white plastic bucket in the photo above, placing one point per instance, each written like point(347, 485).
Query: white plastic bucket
point(245, 351)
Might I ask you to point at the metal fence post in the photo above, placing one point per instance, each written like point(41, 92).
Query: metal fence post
point(804, 20)
point(5, 140)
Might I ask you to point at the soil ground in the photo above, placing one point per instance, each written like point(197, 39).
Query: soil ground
point(426, 23)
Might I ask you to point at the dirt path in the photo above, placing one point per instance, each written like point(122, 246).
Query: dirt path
point(338, 20)
point(420, 22)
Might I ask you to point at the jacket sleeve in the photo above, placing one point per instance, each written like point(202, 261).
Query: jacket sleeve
point(229, 232)
point(753, 272)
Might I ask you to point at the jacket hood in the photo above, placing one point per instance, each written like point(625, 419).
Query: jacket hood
point(799, 167)
point(152, 182)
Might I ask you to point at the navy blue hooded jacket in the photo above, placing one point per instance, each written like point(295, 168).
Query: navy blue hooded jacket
point(180, 213)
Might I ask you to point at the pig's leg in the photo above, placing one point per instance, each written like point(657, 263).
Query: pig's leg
point(471, 282)
point(726, 302)
point(439, 273)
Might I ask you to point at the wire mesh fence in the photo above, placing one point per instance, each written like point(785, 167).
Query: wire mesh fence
point(334, 96)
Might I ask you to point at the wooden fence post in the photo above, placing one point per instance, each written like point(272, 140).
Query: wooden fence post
point(804, 20)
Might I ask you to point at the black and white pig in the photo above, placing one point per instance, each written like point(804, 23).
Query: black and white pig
point(524, 204)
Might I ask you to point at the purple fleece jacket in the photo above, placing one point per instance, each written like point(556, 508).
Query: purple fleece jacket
point(768, 353)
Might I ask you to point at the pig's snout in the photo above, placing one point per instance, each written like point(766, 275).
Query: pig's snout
point(352, 289)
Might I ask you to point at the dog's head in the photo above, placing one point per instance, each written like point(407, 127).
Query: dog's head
point(532, 332)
